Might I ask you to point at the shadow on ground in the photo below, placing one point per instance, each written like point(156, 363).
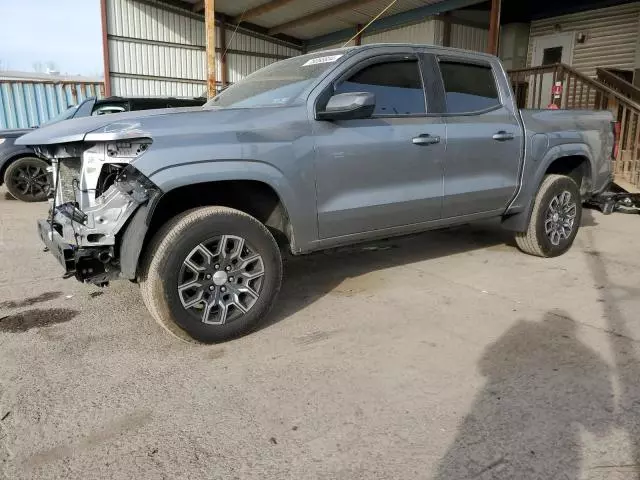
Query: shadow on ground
point(543, 388)
point(311, 277)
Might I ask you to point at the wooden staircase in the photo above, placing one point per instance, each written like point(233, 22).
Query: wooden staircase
point(532, 88)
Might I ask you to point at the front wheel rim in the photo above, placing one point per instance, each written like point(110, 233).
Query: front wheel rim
point(221, 279)
point(560, 218)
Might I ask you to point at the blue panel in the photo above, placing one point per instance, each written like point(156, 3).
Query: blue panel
point(27, 104)
point(392, 21)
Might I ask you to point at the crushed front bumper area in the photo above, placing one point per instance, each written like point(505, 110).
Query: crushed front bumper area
point(85, 242)
point(55, 244)
point(88, 264)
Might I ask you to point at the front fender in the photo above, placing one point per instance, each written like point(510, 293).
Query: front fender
point(298, 201)
point(519, 211)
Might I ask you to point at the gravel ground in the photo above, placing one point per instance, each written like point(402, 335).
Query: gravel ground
point(448, 355)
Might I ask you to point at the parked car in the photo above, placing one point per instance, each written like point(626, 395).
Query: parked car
point(25, 175)
point(312, 152)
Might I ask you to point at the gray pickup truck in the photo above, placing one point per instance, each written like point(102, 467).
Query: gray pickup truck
point(312, 152)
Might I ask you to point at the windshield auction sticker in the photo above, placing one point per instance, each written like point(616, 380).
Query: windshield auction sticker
point(319, 60)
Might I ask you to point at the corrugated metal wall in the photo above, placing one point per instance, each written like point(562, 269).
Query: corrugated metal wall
point(611, 36)
point(155, 49)
point(28, 104)
point(427, 31)
point(241, 65)
point(423, 32)
point(469, 38)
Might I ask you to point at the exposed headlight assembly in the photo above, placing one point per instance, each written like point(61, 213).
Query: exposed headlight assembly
point(117, 131)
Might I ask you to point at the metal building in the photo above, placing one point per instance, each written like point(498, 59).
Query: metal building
point(28, 99)
point(158, 47)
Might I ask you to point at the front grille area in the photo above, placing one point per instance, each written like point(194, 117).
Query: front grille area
point(69, 175)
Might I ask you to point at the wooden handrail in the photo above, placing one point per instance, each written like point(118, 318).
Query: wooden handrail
point(563, 69)
point(621, 84)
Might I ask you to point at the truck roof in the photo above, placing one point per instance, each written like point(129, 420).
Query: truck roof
point(435, 48)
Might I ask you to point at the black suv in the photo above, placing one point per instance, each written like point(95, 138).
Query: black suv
point(25, 175)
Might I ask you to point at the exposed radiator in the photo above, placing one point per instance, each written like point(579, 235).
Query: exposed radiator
point(69, 175)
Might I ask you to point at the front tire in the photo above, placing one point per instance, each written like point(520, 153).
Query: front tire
point(555, 219)
point(27, 179)
point(211, 274)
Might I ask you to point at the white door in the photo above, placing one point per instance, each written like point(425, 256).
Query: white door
point(548, 50)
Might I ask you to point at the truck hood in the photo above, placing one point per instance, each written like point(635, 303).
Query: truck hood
point(77, 129)
point(13, 133)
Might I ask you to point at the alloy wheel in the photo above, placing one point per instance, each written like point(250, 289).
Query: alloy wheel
point(560, 217)
point(221, 279)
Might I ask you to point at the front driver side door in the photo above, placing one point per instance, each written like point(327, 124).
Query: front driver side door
point(384, 171)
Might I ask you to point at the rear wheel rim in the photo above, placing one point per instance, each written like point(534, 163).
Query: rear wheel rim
point(30, 180)
point(221, 279)
point(560, 218)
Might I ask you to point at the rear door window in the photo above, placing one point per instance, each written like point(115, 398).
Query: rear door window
point(397, 86)
point(468, 87)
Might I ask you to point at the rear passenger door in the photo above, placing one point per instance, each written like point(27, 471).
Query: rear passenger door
point(484, 138)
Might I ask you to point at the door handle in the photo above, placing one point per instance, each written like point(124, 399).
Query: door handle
point(503, 136)
point(426, 139)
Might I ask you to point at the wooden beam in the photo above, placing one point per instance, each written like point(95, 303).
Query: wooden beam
point(494, 27)
point(313, 17)
point(260, 10)
point(210, 30)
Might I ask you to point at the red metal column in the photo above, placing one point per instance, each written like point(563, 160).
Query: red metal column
point(105, 49)
point(210, 29)
point(358, 39)
point(224, 74)
point(494, 27)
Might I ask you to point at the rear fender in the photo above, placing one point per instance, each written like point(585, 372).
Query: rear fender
point(519, 211)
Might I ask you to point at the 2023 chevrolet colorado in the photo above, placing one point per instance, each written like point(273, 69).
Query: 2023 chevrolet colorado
point(313, 152)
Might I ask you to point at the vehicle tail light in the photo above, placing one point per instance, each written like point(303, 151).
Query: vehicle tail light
point(616, 139)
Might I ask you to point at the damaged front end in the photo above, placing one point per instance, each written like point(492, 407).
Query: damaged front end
point(96, 191)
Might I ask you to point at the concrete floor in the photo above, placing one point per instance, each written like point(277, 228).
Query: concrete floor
point(448, 355)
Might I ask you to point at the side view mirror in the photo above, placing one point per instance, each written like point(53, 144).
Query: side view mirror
point(348, 106)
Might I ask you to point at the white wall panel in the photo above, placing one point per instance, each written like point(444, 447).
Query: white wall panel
point(156, 88)
point(160, 50)
point(611, 36)
point(242, 65)
point(423, 32)
point(469, 38)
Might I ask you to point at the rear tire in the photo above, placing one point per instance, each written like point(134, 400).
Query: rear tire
point(27, 179)
point(555, 219)
point(211, 274)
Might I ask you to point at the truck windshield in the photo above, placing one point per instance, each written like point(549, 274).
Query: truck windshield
point(277, 84)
